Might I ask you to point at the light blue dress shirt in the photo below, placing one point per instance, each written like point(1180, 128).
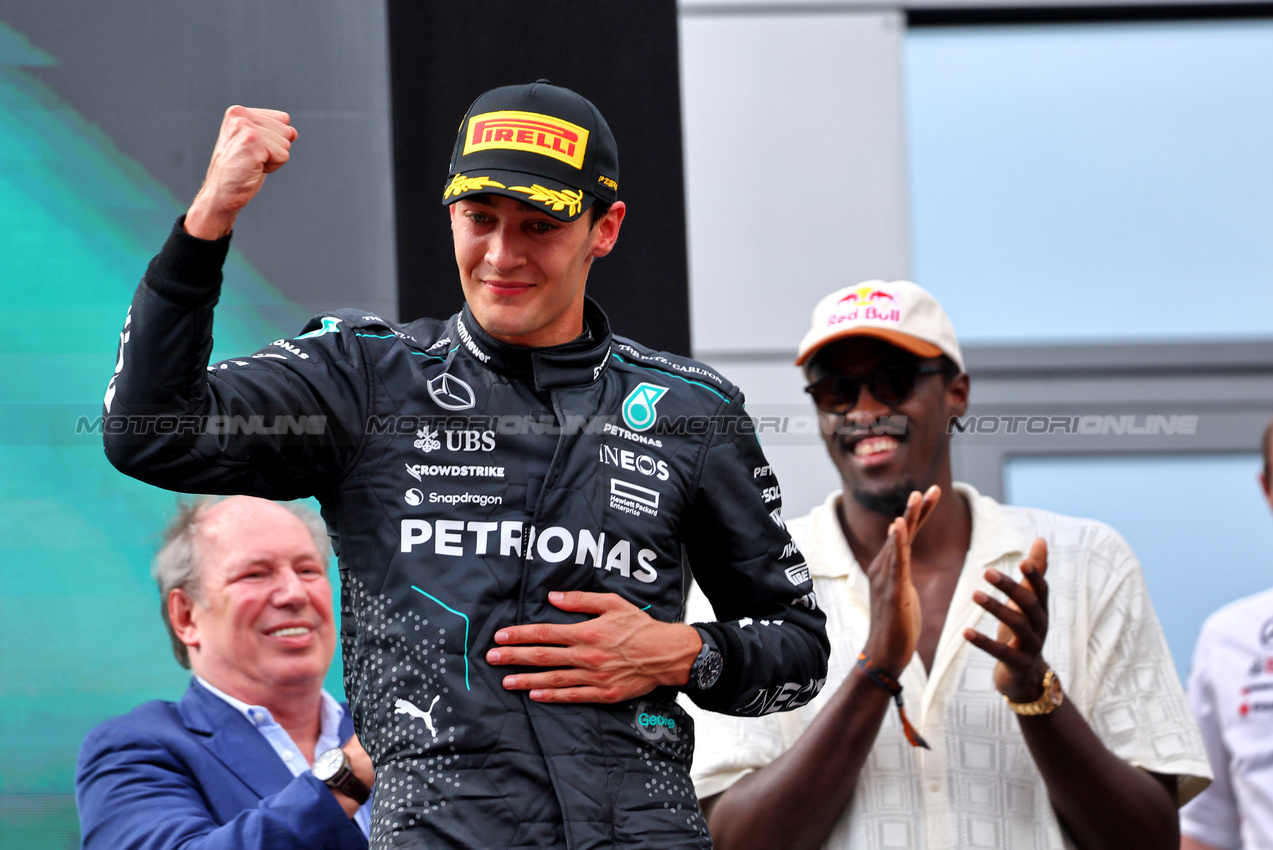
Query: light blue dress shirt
point(282, 743)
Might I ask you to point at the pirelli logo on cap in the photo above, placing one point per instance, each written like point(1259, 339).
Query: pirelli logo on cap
point(527, 131)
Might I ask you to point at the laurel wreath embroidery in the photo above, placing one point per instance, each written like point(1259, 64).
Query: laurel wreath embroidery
point(566, 198)
point(461, 184)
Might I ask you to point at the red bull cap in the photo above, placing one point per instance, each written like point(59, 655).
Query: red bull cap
point(899, 312)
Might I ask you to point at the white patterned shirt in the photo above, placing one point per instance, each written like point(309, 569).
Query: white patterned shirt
point(978, 786)
point(330, 715)
point(1231, 694)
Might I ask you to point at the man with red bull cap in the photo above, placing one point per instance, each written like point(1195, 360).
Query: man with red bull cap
point(512, 500)
point(977, 612)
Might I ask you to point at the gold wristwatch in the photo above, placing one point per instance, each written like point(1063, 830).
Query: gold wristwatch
point(1052, 697)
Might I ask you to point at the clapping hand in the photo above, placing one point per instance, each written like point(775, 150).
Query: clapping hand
point(1023, 626)
point(895, 613)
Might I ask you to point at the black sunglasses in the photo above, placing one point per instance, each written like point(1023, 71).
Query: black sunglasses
point(889, 383)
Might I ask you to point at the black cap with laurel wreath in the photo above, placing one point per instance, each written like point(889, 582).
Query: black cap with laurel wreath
point(539, 143)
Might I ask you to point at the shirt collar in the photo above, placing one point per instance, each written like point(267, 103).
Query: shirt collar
point(992, 537)
point(330, 711)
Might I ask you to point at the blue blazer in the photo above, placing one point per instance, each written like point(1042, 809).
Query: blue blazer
point(197, 775)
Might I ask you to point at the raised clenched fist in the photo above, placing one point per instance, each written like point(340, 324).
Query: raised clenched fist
point(252, 143)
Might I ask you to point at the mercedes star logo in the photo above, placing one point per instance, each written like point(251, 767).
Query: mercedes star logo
point(451, 393)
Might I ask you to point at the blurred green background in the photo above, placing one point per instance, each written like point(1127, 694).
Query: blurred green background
point(80, 633)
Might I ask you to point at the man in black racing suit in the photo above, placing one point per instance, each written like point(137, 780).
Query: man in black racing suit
point(515, 496)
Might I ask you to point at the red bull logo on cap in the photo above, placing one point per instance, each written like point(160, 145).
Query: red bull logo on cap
point(863, 294)
point(529, 132)
point(867, 304)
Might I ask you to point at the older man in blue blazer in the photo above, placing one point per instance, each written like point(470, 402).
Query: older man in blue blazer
point(256, 754)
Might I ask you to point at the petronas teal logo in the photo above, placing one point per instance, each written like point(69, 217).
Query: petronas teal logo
point(329, 327)
point(638, 407)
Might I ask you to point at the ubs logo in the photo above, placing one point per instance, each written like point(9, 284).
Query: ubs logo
point(451, 393)
point(470, 441)
point(456, 441)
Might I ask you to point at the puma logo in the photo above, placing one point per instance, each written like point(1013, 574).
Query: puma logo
point(402, 706)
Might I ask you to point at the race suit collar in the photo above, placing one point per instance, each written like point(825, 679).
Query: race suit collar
point(571, 364)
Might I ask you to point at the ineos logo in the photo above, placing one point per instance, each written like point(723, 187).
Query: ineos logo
point(630, 460)
point(451, 393)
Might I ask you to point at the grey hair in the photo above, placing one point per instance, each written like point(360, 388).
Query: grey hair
point(177, 564)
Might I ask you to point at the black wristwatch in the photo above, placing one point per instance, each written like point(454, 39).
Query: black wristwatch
point(335, 771)
point(707, 667)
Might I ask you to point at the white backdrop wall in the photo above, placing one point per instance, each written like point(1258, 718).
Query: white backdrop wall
point(795, 186)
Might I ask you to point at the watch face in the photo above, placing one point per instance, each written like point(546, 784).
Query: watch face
point(713, 664)
point(1054, 690)
point(328, 764)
